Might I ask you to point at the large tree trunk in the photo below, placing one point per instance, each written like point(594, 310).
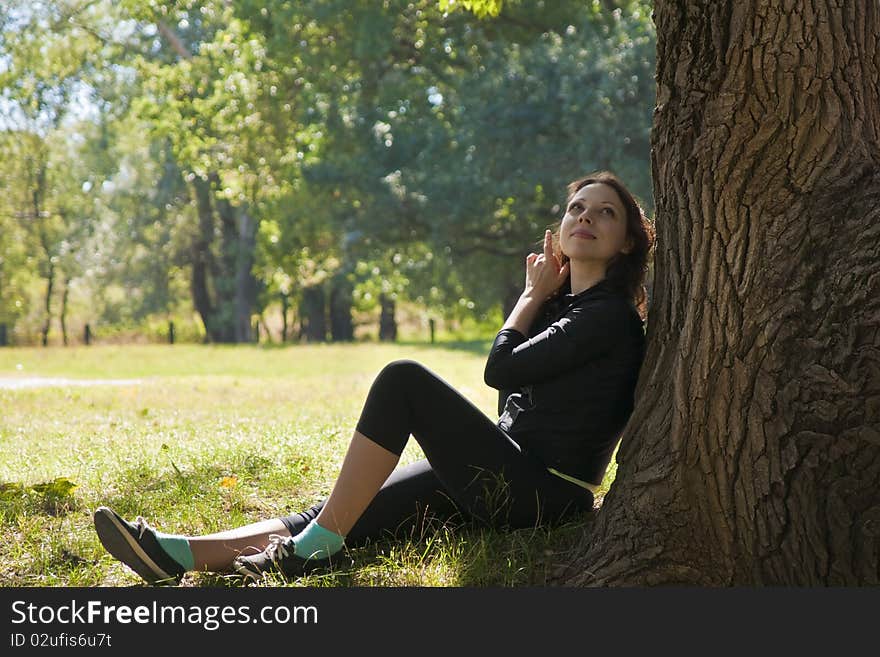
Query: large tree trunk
point(753, 454)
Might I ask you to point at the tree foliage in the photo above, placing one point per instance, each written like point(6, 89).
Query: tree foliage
point(231, 157)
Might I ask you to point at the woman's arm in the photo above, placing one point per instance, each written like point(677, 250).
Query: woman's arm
point(544, 275)
point(582, 334)
point(523, 314)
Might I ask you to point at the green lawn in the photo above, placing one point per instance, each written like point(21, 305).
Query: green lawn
point(201, 438)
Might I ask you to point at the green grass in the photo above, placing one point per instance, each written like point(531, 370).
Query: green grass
point(214, 437)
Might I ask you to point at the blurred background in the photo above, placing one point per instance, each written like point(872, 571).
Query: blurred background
point(234, 171)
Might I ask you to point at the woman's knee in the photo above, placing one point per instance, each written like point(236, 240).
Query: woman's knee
point(402, 371)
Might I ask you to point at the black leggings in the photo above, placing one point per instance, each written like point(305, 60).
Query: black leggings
point(473, 469)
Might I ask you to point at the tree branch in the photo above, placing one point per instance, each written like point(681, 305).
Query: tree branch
point(174, 40)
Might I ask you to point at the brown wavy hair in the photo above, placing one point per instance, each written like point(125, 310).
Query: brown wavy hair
point(626, 271)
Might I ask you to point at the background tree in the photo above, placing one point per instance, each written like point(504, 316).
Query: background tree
point(314, 159)
point(541, 109)
point(194, 87)
point(55, 154)
point(47, 68)
point(14, 270)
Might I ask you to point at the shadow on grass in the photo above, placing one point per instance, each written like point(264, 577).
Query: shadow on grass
point(535, 556)
point(447, 553)
point(436, 552)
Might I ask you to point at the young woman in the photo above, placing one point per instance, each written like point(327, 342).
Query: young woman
point(565, 362)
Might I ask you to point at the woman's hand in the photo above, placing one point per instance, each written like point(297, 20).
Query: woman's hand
point(544, 273)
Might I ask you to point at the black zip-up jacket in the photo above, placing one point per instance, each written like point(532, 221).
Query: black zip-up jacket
point(566, 390)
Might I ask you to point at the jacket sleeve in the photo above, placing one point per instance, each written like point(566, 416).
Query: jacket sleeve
point(505, 342)
point(582, 334)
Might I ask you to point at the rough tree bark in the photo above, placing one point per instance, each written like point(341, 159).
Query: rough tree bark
point(753, 455)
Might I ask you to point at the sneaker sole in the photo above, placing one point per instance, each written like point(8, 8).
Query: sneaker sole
point(121, 544)
point(246, 573)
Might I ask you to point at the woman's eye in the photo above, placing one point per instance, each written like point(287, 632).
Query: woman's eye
point(608, 210)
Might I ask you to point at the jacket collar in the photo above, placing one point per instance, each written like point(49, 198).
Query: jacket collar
point(601, 287)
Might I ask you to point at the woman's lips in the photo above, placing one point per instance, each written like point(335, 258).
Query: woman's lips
point(583, 235)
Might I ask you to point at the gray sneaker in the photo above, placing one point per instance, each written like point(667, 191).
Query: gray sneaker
point(135, 545)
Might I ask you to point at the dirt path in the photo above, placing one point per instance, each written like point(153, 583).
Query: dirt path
point(21, 383)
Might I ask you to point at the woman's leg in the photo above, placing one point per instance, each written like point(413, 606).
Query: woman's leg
point(216, 552)
point(484, 471)
point(400, 508)
point(408, 501)
point(365, 468)
point(401, 503)
point(394, 408)
point(161, 558)
point(470, 455)
point(475, 463)
point(481, 468)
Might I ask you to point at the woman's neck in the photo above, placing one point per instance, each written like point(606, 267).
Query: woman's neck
point(585, 274)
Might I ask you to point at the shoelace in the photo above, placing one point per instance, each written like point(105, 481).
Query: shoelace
point(278, 547)
point(141, 523)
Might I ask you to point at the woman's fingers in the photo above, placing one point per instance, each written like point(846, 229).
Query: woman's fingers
point(548, 245)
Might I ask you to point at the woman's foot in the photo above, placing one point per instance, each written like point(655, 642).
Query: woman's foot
point(135, 544)
point(279, 557)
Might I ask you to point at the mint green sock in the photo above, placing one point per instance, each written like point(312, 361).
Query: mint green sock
point(315, 542)
point(177, 548)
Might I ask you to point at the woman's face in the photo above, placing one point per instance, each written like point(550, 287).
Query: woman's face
point(594, 225)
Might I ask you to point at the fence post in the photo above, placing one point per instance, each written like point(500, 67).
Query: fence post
point(170, 332)
point(431, 324)
point(3, 342)
point(87, 334)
